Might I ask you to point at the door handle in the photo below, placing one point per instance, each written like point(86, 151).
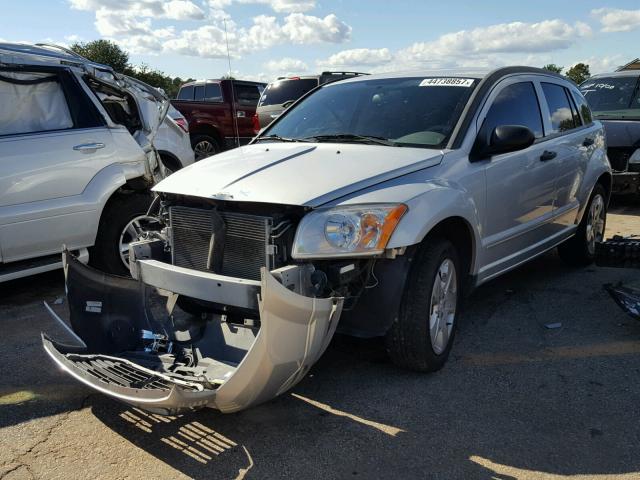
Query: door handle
point(588, 142)
point(547, 155)
point(88, 147)
point(241, 114)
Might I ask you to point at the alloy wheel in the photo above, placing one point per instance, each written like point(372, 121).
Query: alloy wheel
point(442, 309)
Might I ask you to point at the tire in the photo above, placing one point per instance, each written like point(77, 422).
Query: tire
point(204, 146)
point(410, 343)
point(580, 250)
point(119, 212)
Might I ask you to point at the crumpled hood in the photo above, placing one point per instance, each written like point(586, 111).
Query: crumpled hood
point(309, 174)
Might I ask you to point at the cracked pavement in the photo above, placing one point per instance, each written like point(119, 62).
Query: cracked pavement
point(516, 400)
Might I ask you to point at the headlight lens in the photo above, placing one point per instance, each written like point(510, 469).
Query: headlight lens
point(635, 157)
point(347, 231)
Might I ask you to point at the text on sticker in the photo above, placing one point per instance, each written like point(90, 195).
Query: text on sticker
point(446, 82)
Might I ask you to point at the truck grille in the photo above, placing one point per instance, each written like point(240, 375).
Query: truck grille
point(246, 242)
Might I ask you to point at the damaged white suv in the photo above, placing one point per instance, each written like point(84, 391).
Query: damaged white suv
point(369, 207)
point(76, 159)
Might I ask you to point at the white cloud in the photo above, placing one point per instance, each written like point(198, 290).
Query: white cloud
point(280, 6)
point(171, 9)
point(300, 28)
point(286, 66)
point(505, 38)
point(617, 20)
point(357, 57)
point(209, 40)
point(602, 64)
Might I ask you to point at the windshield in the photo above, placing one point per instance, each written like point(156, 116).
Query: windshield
point(284, 91)
point(613, 97)
point(416, 112)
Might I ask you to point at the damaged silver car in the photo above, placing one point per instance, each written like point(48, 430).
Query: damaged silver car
point(370, 207)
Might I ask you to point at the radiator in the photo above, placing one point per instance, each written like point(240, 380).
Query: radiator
point(245, 246)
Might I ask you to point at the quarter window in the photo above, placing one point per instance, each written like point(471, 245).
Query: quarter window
point(560, 112)
point(585, 111)
point(516, 104)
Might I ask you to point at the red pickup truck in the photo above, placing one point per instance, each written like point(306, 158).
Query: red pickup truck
point(217, 123)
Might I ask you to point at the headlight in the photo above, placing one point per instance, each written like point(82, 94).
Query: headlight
point(346, 231)
point(635, 157)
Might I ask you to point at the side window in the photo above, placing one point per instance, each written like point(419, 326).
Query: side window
point(516, 104)
point(198, 93)
point(584, 109)
point(247, 95)
point(213, 92)
point(186, 93)
point(560, 113)
point(32, 102)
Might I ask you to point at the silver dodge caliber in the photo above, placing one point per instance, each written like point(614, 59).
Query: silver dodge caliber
point(370, 207)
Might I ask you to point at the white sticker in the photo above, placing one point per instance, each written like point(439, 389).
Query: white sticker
point(447, 82)
point(93, 307)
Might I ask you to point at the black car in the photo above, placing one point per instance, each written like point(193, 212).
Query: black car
point(281, 93)
point(615, 101)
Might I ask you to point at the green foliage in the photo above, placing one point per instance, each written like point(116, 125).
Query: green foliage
point(105, 52)
point(552, 67)
point(579, 73)
point(109, 53)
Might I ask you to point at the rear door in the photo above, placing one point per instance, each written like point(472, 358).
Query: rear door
point(52, 143)
point(572, 142)
point(520, 185)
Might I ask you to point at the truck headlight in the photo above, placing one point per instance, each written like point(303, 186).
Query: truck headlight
point(349, 231)
point(635, 156)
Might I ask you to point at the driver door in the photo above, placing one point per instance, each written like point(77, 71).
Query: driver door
point(521, 185)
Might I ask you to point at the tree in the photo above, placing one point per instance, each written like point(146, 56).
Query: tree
point(579, 73)
point(105, 52)
point(552, 67)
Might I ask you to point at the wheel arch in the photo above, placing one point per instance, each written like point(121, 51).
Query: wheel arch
point(207, 129)
point(458, 231)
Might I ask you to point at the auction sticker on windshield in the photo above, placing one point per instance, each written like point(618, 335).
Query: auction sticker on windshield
point(447, 82)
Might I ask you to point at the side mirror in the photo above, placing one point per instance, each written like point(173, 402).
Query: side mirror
point(503, 139)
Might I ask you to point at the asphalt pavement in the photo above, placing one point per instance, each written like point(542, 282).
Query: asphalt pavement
point(517, 400)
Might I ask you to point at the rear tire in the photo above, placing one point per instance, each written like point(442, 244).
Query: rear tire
point(579, 250)
point(422, 336)
point(105, 254)
point(204, 146)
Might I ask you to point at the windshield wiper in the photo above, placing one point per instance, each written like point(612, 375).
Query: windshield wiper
point(350, 137)
point(281, 139)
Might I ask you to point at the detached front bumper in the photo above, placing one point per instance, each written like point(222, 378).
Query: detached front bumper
point(236, 366)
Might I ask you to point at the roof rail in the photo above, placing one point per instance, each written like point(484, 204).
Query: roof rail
point(63, 49)
point(355, 74)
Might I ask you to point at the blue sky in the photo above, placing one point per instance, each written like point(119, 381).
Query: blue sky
point(275, 37)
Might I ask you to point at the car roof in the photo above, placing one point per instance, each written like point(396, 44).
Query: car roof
point(44, 54)
point(218, 80)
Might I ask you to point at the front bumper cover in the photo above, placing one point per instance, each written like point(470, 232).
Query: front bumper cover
point(110, 315)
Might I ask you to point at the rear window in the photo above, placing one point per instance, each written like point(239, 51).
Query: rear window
point(198, 93)
point(284, 91)
point(247, 95)
point(561, 115)
point(186, 93)
point(213, 92)
point(32, 102)
point(613, 97)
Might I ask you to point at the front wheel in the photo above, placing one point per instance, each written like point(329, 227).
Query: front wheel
point(123, 221)
point(422, 336)
point(580, 249)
